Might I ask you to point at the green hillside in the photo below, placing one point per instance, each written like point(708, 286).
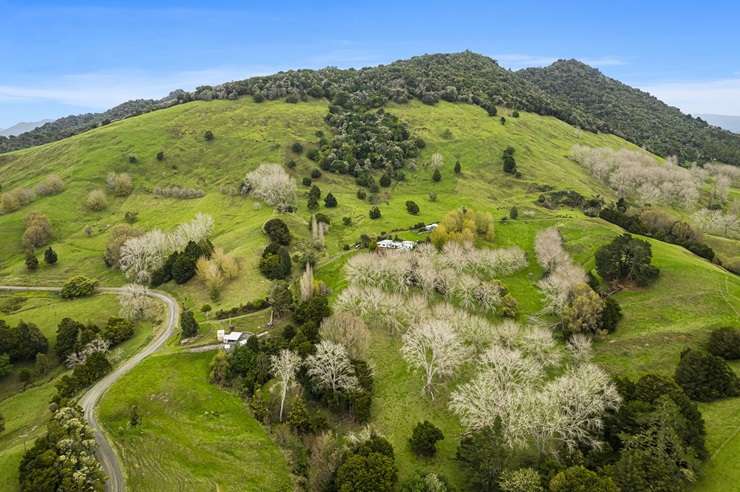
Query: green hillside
point(180, 436)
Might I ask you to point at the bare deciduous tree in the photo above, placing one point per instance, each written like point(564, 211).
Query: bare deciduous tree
point(271, 184)
point(330, 367)
point(136, 302)
point(348, 330)
point(306, 283)
point(636, 173)
point(433, 348)
point(284, 366)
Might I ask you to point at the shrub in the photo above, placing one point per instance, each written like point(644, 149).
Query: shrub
point(50, 256)
point(38, 230)
point(412, 207)
point(424, 438)
point(432, 196)
point(275, 263)
point(178, 192)
point(509, 161)
point(513, 213)
point(208, 135)
point(705, 377)
point(578, 478)
point(118, 330)
point(277, 231)
point(611, 314)
point(436, 176)
point(458, 167)
point(188, 325)
point(133, 159)
point(315, 173)
point(130, 216)
point(96, 201)
point(330, 201)
point(183, 267)
point(361, 194)
point(725, 343)
point(385, 180)
point(79, 286)
point(347, 221)
point(32, 263)
point(160, 156)
point(306, 181)
point(119, 184)
point(51, 185)
point(375, 213)
point(297, 147)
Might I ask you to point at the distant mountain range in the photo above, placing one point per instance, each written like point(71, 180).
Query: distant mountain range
point(731, 123)
point(22, 127)
point(568, 90)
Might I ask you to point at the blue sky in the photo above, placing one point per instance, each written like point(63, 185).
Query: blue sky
point(59, 58)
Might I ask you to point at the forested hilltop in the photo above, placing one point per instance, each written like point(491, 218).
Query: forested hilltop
point(634, 114)
point(569, 90)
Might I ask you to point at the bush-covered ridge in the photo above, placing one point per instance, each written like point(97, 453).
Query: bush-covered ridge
point(464, 77)
point(633, 114)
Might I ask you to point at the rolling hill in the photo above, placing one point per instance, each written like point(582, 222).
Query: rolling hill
point(446, 101)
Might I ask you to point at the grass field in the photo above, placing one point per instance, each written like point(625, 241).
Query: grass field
point(193, 435)
point(26, 410)
point(691, 297)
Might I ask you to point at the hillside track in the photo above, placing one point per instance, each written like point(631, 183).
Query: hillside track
point(89, 400)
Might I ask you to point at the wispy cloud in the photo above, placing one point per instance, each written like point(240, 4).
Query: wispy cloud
point(720, 96)
point(104, 89)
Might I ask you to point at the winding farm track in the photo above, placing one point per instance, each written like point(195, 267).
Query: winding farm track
point(106, 455)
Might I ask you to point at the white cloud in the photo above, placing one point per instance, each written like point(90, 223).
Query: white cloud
point(105, 89)
point(696, 97)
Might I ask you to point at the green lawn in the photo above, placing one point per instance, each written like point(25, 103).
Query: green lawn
point(193, 435)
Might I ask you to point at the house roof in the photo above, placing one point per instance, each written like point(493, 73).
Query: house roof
point(234, 336)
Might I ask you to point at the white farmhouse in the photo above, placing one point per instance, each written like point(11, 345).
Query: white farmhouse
point(234, 339)
point(390, 244)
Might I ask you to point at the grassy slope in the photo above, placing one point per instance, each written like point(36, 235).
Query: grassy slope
point(26, 412)
point(193, 435)
point(658, 321)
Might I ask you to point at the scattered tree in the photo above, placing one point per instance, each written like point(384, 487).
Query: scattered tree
point(424, 438)
point(705, 377)
point(32, 263)
point(509, 161)
point(626, 259)
point(96, 201)
point(188, 324)
point(50, 256)
point(330, 201)
point(271, 184)
point(283, 367)
point(136, 302)
point(433, 348)
point(79, 286)
point(331, 368)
